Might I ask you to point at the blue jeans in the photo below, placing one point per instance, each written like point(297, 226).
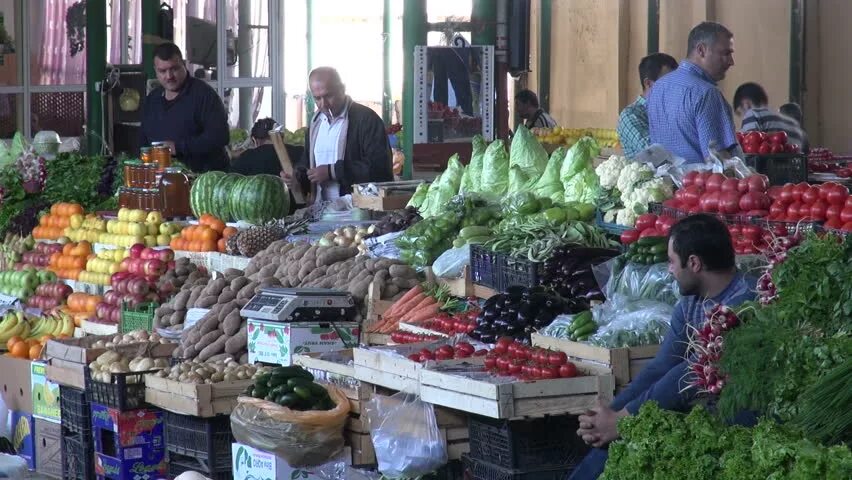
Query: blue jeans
point(592, 465)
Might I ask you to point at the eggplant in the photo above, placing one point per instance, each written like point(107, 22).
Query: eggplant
point(490, 302)
point(585, 272)
point(515, 293)
point(525, 313)
point(488, 315)
point(489, 338)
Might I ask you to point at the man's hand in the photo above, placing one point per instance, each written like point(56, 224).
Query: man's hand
point(599, 426)
point(171, 146)
point(319, 174)
point(289, 180)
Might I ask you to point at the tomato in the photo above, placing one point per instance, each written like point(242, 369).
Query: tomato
point(752, 232)
point(833, 212)
point(834, 223)
point(847, 227)
point(792, 148)
point(778, 138)
point(740, 137)
point(650, 232)
point(794, 211)
point(549, 372)
point(709, 202)
point(837, 195)
point(765, 149)
point(810, 195)
point(777, 148)
point(774, 192)
point(757, 183)
point(755, 137)
point(846, 214)
point(700, 179)
point(798, 190)
point(844, 173)
point(735, 230)
point(818, 210)
point(672, 202)
point(629, 236)
point(729, 202)
point(557, 358)
point(713, 183)
point(426, 356)
point(568, 370)
point(535, 372)
point(689, 178)
point(465, 347)
point(848, 201)
point(751, 148)
point(490, 362)
point(787, 196)
point(515, 367)
point(692, 195)
point(646, 220)
point(503, 363)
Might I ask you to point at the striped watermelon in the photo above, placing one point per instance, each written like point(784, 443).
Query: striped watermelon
point(222, 194)
point(201, 193)
point(259, 198)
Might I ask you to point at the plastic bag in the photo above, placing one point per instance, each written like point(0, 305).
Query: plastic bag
point(558, 328)
point(638, 281)
point(12, 466)
point(405, 435)
point(452, 262)
point(5, 420)
point(302, 439)
point(629, 323)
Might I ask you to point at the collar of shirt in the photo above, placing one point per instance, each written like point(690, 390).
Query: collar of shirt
point(696, 71)
point(343, 113)
point(187, 83)
point(640, 101)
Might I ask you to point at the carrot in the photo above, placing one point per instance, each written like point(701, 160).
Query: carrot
point(425, 303)
point(377, 326)
point(424, 314)
point(409, 295)
point(412, 304)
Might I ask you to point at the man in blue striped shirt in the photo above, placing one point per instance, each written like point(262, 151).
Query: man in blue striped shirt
point(687, 114)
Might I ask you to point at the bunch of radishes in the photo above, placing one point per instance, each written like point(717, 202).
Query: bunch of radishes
point(705, 349)
point(776, 252)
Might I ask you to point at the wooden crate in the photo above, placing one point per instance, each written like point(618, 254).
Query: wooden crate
point(472, 392)
point(199, 400)
point(377, 366)
point(458, 287)
point(624, 363)
point(391, 196)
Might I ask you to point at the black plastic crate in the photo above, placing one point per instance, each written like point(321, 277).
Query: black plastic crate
point(207, 440)
point(478, 470)
point(780, 168)
point(125, 392)
point(179, 464)
point(500, 271)
point(522, 444)
point(76, 411)
point(78, 456)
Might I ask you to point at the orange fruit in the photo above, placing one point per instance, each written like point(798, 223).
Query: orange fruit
point(228, 232)
point(208, 245)
point(205, 219)
point(35, 352)
point(45, 338)
point(207, 233)
point(20, 350)
point(220, 245)
point(217, 225)
point(43, 220)
point(13, 341)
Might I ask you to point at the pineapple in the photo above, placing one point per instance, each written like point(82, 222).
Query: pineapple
point(256, 239)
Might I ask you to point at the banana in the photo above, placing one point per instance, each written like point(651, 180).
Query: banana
point(9, 321)
point(68, 325)
point(60, 326)
point(16, 331)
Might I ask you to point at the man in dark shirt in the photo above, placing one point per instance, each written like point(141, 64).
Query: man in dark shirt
point(262, 158)
point(185, 113)
point(526, 103)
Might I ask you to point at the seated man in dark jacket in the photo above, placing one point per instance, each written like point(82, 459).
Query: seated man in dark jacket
point(262, 158)
point(185, 113)
point(345, 143)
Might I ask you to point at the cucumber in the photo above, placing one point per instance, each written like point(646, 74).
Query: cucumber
point(650, 241)
point(303, 392)
point(459, 242)
point(287, 400)
point(582, 318)
point(474, 231)
point(298, 381)
point(292, 371)
point(661, 258)
point(659, 248)
point(585, 331)
point(478, 240)
point(317, 390)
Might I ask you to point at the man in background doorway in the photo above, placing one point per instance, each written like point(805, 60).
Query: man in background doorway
point(527, 106)
point(633, 121)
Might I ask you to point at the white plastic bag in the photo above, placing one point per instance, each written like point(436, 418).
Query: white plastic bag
point(12, 466)
point(5, 420)
point(405, 435)
point(452, 262)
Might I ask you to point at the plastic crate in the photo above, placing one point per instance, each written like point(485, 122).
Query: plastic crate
point(207, 440)
point(780, 168)
point(78, 456)
point(75, 409)
point(479, 470)
point(783, 229)
point(611, 228)
point(522, 444)
point(179, 464)
point(140, 317)
point(660, 209)
point(121, 394)
point(500, 271)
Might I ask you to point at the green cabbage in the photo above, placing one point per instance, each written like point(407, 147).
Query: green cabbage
point(495, 169)
point(527, 153)
point(548, 184)
point(578, 174)
point(419, 196)
point(10, 153)
point(444, 188)
point(518, 180)
point(472, 174)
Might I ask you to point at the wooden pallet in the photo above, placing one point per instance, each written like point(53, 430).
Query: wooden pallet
point(198, 400)
point(474, 393)
point(379, 367)
point(624, 363)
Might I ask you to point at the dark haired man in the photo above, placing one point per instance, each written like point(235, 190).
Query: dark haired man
point(701, 259)
point(527, 106)
point(687, 114)
point(262, 159)
point(185, 113)
point(633, 120)
point(752, 104)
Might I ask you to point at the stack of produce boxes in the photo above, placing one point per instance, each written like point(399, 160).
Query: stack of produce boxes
point(46, 413)
point(78, 452)
point(199, 444)
point(16, 392)
point(128, 444)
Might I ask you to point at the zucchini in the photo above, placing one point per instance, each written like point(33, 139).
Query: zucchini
point(474, 231)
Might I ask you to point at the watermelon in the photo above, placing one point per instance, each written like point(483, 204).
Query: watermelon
point(201, 193)
point(259, 198)
point(222, 194)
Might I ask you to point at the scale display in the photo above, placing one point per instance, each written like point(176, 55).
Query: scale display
point(300, 305)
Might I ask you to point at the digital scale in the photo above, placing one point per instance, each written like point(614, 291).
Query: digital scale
point(301, 305)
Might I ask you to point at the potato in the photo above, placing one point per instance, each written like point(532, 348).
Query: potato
point(206, 301)
point(232, 323)
point(213, 348)
point(238, 342)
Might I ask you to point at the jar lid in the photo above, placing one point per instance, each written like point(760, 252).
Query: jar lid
point(172, 170)
point(145, 149)
point(134, 162)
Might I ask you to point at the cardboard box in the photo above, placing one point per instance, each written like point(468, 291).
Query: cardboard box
point(48, 449)
point(114, 430)
point(16, 383)
point(199, 400)
point(23, 437)
point(251, 464)
point(276, 342)
point(131, 463)
point(45, 394)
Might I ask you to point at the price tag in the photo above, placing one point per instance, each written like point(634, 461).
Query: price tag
point(8, 300)
point(193, 315)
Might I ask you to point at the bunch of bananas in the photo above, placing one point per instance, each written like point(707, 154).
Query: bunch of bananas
point(16, 324)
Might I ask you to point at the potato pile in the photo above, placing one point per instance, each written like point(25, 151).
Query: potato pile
point(111, 362)
point(221, 332)
point(136, 336)
point(171, 314)
point(224, 370)
point(302, 265)
point(183, 273)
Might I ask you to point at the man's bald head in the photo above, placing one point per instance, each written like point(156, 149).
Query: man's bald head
point(328, 90)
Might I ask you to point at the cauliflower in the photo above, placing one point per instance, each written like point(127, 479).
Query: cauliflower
point(609, 216)
point(610, 169)
point(632, 174)
point(653, 191)
point(626, 217)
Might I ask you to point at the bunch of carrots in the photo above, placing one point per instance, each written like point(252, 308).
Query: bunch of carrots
point(419, 304)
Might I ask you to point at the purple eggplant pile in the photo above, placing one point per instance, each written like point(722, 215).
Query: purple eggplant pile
point(568, 271)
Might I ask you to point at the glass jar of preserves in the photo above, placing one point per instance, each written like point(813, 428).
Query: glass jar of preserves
point(147, 175)
point(124, 197)
point(174, 193)
point(161, 155)
point(145, 154)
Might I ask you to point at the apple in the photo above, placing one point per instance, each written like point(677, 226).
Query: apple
point(138, 285)
point(119, 275)
point(166, 228)
point(147, 253)
point(154, 217)
point(163, 240)
point(150, 240)
point(136, 250)
point(165, 255)
point(154, 267)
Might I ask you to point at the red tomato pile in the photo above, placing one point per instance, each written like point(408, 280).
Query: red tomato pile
point(760, 143)
point(509, 357)
point(451, 324)
point(648, 225)
point(821, 160)
point(748, 238)
point(705, 192)
point(401, 337)
point(828, 202)
point(447, 352)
